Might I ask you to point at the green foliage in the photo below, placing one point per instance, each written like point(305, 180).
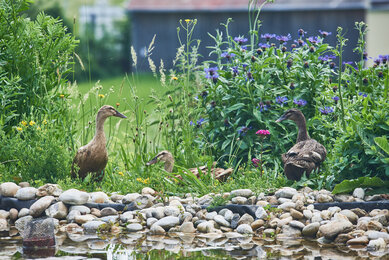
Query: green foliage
point(347, 186)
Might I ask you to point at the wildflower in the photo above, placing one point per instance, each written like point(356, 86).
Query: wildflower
point(211, 73)
point(121, 173)
point(259, 51)
point(62, 96)
point(253, 59)
point(244, 48)
point(264, 46)
point(227, 55)
point(244, 65)
point(32, 123)
point(243, 130)
point(235, 70)
point(255, 162)
point(268, 36)
point(324, 33)
point(326, 57)
point(332, 65)
point(101, 96)
point(263, 107)
point(282, 38)
point(240, 40)
point(314, 40)
point(293, 46)
point(24, 123)
point(174, 78)
point(335, 88)
point(301, 32)
point(19, 129)
point(300, 102)
point(377, 61)
point(306, 65)
point(263, 133)
point(198, 123)
point(300, 42)
point(250, 75)
point(281, 100)
point(226, 122)
point(326, 110)
point(283, 49)
point(44, 122)
point(291, 86)
point(380, 74)
point(336, 99)
point(311, 49)
point(188, 20)
point(364, 55)
point(365, 81)
point(383, 58)
point(204, 94)
point(347, 62)
point(362, 94)
point(289, 63)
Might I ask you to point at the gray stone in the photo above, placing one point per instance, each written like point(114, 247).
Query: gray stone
point(82, 209)
point(234, 220)
point(143, 202)
point(376, 245)
point(359, 193)
point(352, 217)
point(4, 225)
point(49, 190)
point(221, 221)
point(24, 184)
point(316, 217)
point(288, 231)
point(110, 219)
point(167, 222)
point(72, 215)
point(228, 215)
point(373, 234)
point(74, 197)
point(242, 193)
point(22, 222)
point(116, 197)
point(210, 215)
point(99, 197)
point(171, 211)
point(332, 229)
point(130, 197)
point(27, 193)
point(286, 206)
point(108, 211)
point(134, 227)
point(244, 229)
point(8, 189)
point(158, 212)
point(311, 229)
point(307, 213)
point(286, 192)
point(205, 227)
point(23, 212)
point(296, 224)
point(239, 200)
point(157, 230)
point(82, 219)
point(93, 226)
point(57, 211)
point(246, 219)
point(381, 218)
point(323, 198)
point(4, 214)
point(40, 206)
point(187, 227)
point(150, 221)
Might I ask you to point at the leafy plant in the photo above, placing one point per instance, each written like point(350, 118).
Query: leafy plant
point(348, 186)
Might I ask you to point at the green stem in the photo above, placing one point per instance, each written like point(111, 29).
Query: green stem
point(339, 85)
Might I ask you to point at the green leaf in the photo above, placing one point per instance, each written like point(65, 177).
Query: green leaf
point(234, 107)
point(382, 142)
point(347, 186)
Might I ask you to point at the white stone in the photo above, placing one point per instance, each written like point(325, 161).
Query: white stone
point(82, 209)
point(307, 213)
point(27, 193)
point(376, 245)
point(49, 190)
point(221, 221)
point(93, 226)
point(99, 197)
point(8, 189)
point(4, 214)
point(148, 190)
point(296, 224)
point(210, 215)
point(74, 197)
point(82, 219)
point(171, 211)
point(286, 192)
point(72, 215)
point(323, 198)
point(167, 222)
point(40, 206)
point(130, 197)
point(205, 227)
point(359, 193)
point(22, 222)
point(187, 227)
point(23, 212)
point(242, 193)
point(287, 206)
point(134, 227)
point(150, 221)
point(311, 229)
point(4, 225)
point(57, 211)
point(157, 230)
point(244, 229)
point(239, 200)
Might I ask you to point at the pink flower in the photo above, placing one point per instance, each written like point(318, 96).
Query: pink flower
point(256, 162)
point(263, 133)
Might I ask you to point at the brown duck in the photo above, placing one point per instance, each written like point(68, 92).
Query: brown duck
point(93, 157)
point(307, 154)
point(165, 156)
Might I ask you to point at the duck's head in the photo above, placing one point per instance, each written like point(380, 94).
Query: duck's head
point(291, 114)
point(164, 156)
point(107, 111)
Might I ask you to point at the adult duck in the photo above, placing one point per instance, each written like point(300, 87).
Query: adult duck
point(93, 157)
point(166, 157)
point(307, 154)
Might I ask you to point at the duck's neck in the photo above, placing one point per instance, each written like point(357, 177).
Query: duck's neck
point(169, 164)
point(100, 135)
point(302, 129)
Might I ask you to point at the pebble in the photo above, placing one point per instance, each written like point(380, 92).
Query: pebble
point(134, 227)
point(311, 229)
point(376, 245)
point(221, 221)
point(296, 214)
point(246, 219)
point(363, 240)
point(244, 229)
point(239, 200)
point(332, 229)
point(99, 197)
point(82, 209)
point(40, 206)
point(93, 226)
point(296, 224)
point(27, 193)
point(261, 213)
point(74, 197)
point(359, 193)
point(108, 211)
point(242, 193)
point(57, 210)
point(187, 227)
point(286, 192)
point(8, 189)
point(167, 222)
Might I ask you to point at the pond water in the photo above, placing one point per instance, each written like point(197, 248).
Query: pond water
point(185, 246)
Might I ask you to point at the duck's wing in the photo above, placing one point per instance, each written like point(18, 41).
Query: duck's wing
point(308, 150)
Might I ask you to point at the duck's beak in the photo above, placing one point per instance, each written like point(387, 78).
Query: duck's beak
point(154, 160)
point(283, 117)
point(119, 114)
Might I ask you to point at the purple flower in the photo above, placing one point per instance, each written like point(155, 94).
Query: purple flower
point(282, 38)
point(263, 107)
point(264, 46)
point(204, 94)
point(300, 42)
point(301, 32)
point(243, 130)
point(244, 48)
point(244, 65)
point(300, 102)
point(324, 33)
point(255, 162)
point(377, 61)
point(235, 70)
point(289, 63)
point(364, 55)
point(347, 62)
point(228, 55)
point(362, 94)
point(326, 110)
point(281, 100)
point(250, 75)
point(198, 123)
point(211, 73)
point(314, 40)
point(268, 36)
point(383, 58)
point(240, 40)
point(336, 99)
point(326, 57)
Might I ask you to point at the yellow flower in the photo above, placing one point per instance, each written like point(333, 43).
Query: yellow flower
point(146, 181)
point(174, 78)
point(62, 96)
point(121, 173)
point(139, 179)
point(188, 20)
point(32, 123)
point(39, 128)
point(44, 122)
point(117, 104)
point(24, 123)
point(19, 129)
point(101, 96)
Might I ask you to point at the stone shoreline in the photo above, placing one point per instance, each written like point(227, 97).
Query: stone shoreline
point(287, 213)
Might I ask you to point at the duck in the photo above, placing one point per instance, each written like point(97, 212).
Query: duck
point(307, 154)
point(166, 157)
point(93, 157)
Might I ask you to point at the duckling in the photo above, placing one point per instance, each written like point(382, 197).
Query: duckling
point(307, 154)
point(93, 157)
point(165, 156)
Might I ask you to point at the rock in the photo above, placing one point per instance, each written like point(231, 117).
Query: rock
point(57, 210)
point(130, 197)
point(288, 231)
point(262, 203)
point(82, 219)
point(205, 227)
point(286, 192)
point(4, 214)
point(108, 211)
point(296, 224)
point(323, 198)
point(221, 221)
point(257, 224)
point(272, 200)
point(344, 198)
point(99, 197)
point(239, 200)
point(316, 217)
point(158, 212)
point(186, 217)
point(261, 213)
point(228, 215)
point(21, 223)
point(40, 206)
point(82, 209)
point(95, 212)
point(246, 219)
point(311, 229)
point(284, 221)
point(149, 191)
point(171, 211)
point(157, 230)
point(296, 214)
point(8, 189)
point(269, 232)
point(187, 227)
point(210, 215)
point(332, 229)
point(307, 213)
point(286, 206)
point(326, 215)
point(72, 215)
point(167, 222)
point(359, 212)
point(374, 225)
point(150, 221)
point(27, 193)
point(372, 235)
point(359, 193)
point(134, 227)
point(381, 218)
point(342, 238)
point(4, 225)
point(352, 217)
point(109, 219)
point(74, 197)
point(244, 229)
point(334, 210)
point(23, 212)
point(93, 226)
point(376, 245)
point(24, 184)
point(116, 197)
point(374, 197)
point(49, 190)
point(363, 240)
point(234, 220)
point(242, 193)
point(143, 202)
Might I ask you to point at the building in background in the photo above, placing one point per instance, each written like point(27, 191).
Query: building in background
point(161, 18)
